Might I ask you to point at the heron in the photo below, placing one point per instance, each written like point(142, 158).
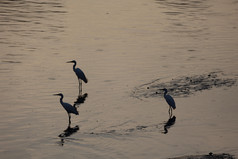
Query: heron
point(68, 107)
point(169, 100)
point(79, 73)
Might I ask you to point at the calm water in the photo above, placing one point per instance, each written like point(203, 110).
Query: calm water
point(119, 45)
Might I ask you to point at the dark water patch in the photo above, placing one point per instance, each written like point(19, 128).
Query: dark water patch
point(183, 86)
point(11, 61)
point(209, 156)
point(181, 4)
point(51, 78)
point(15, 54)
point(141, 127)
point(99, 50)
point(173, 13)
point(4, 70)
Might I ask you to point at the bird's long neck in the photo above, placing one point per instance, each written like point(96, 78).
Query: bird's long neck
point(61, 99)
point(165, 92)
point(74, 65)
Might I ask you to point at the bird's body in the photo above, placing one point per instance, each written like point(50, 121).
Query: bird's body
point(68, 107)
point(79, 73)
point(169, 100)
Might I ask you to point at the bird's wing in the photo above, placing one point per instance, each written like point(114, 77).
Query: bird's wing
point(81, 75)
point(170, 101)
point(69, 108)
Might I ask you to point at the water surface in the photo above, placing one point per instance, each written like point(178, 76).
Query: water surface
point(120, 46)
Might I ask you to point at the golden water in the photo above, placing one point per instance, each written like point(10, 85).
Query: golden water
point(119, 45)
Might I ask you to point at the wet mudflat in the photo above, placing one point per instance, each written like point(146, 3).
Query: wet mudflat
point(184, 86)
point(209, 156)
point(128, 50)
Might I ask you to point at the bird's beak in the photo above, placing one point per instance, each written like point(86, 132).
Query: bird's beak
point(69, 62)
point(55, 94)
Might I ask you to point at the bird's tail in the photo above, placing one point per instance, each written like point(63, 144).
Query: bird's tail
point(86, 80)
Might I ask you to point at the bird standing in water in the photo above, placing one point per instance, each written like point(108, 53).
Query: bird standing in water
point(169, 100)
point(79, 73)
point(68, 107)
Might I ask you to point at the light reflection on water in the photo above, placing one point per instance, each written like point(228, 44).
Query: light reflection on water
point(184, 18)
point(24, 19)
point(120, 46)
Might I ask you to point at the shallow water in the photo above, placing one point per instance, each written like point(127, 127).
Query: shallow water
point(120, 46)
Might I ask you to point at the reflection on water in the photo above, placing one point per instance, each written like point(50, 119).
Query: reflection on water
point(184, 16)
point(173, 43)
point(169, 124)
point(68, 132)
point(71, 130)
point(32, 20)
point(81, 99)
point(189, 7)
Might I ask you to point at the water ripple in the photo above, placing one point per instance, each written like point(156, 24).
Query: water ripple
point(22, 19)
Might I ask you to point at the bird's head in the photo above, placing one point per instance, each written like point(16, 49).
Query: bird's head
point(59, 94)
point(164, 89)
point(73, 61)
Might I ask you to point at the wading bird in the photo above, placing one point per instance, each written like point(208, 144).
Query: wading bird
point(79, 73)
point(68, 107)
point(169, 100)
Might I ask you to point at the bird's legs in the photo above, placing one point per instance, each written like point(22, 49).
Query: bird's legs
point(69, 119)
point(170, 112)
point(80, 87)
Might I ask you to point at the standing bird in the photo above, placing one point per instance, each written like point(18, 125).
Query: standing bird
point(169, 100)
point(79, 73)
point(68, 107)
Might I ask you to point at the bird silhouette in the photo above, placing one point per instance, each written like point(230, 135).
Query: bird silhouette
point(80, 74)
point(169, 100)
point(68, 107)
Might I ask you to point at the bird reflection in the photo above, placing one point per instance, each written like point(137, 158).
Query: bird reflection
point(68, 132)
point(169, 124)
point(81, 99)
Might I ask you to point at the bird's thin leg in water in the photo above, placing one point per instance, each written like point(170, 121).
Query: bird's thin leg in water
point(80, 87)
point(69, 119)
point(170, 112)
